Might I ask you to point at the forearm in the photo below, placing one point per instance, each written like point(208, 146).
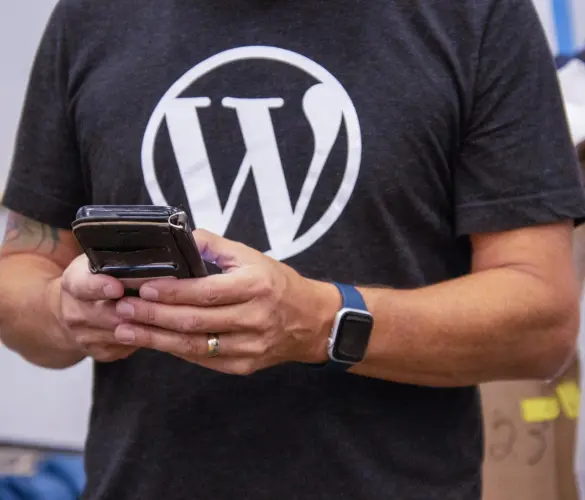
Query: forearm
point(29, 295)
point(495, 324)
point(579, 253)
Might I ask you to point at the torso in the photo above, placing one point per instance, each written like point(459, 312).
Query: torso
point(225, 108)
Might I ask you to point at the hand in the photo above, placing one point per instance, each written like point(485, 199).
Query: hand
point(264, 312)
point(87, 313)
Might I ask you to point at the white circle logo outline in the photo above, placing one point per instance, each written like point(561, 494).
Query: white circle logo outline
point(350, 118)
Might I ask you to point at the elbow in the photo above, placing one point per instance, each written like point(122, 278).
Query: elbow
point(559, 343)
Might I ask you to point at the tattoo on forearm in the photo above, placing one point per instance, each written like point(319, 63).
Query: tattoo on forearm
point(23, 233)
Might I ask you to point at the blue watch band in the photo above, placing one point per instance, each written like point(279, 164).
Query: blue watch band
point(351, 299)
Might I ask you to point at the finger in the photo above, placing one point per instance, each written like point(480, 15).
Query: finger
point(102, 345)
point(95, 336)
point(184, 319)
point(82, 284)
point(224, 253)
point(105, 353)
point(103, 315)
point(238, 354)
point(215, 290)
point(191, 347)
point(100, 314)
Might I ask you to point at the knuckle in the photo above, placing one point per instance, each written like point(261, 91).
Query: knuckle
point(79, 285)
point(170, 295)
point(68, 277)
point(192, 323)
point(73, 314)
point(259, 348)
point(66, 280)
point(210, 295)
point(70, 286)
point(150, 313)
point(263, 286)
point(145, 337)
point(189, 347)
point(105, 315)
point(260, 320)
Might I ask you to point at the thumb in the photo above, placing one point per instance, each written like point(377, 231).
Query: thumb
point(225, 254)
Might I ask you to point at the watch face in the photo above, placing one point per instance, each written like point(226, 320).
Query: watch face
point(353, 335)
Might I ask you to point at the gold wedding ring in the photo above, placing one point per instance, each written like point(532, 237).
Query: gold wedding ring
point(212, 345)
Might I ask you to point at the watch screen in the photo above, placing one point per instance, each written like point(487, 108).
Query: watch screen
point(353, 337)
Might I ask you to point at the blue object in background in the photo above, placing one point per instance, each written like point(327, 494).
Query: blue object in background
point(564, 23)
point(57, 478)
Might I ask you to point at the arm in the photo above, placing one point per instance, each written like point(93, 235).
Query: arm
point(32, 259)
point(53, 311)
point(579, 232)
point(515, 316)
point(579, 253)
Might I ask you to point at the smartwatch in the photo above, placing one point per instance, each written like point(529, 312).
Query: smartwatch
point(351, 330)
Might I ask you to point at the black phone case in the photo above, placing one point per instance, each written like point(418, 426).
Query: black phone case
point(138, 242)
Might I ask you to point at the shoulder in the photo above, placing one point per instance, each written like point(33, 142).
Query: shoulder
point(84, 15)
point(479, 14)
point(84, 9)
point(517, 17)
point(76, 16)
point(90, 27)
point(80, 7)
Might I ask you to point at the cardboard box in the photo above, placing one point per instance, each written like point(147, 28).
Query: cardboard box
point(568, 394)
point(530, 439)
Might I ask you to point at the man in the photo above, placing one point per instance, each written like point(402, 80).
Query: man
point(416, 149)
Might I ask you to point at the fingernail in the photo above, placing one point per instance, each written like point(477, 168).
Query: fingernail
point(148, 293)
point(110, 292)
point(125, 309)
point(125, 335)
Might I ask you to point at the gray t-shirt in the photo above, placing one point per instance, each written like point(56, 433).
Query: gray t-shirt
point(356, 141)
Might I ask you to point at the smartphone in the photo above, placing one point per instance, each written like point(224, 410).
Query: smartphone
point(138, 243)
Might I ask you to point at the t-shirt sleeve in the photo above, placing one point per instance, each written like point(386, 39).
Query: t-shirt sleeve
point(517, 165)
point(46, 180)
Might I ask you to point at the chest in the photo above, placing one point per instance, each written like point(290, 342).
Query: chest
point(284, 116)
